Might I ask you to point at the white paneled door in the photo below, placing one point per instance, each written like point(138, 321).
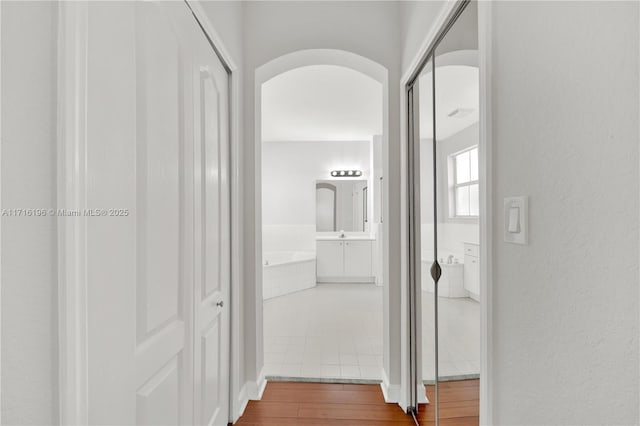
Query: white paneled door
point(212, 230)
point(156, 156)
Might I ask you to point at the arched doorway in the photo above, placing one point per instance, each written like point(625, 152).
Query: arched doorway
point(374, 71)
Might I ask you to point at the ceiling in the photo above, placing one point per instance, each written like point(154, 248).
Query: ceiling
point(457, 88)
point(321, 103)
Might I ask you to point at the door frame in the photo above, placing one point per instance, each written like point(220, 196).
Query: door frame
point(486, 177)
point(71, 184)
point(391, 389)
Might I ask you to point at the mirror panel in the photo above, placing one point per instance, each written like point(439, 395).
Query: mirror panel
point(448, 194)
point(341, 205)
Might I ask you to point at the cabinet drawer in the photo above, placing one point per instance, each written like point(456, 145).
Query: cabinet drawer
point(472, 274)
point(471, 250)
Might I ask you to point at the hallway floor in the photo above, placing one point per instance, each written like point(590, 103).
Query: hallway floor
point(288, 403)
point(334, 331)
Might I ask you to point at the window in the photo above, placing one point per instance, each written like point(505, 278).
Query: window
point(464, 173)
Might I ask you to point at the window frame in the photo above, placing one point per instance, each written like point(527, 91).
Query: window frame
point(455, 186)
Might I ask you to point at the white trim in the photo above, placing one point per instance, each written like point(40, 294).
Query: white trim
point(240, 404)
point(256, 388)
point(1, 208)
point(485, 152)
point(251, 390)
point(71, 178)
point(404, 307)
point(390, 392)
point(440, 21)
point(210, 30)
point(486, 176)
point(238, 397)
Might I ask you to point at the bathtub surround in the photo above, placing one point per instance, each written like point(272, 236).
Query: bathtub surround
point(287, 272)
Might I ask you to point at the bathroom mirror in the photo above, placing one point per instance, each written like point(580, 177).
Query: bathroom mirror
point(341, 205)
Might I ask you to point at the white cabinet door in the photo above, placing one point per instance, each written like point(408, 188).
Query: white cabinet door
point(357, 259)
point(472, 274)
point(329, 259)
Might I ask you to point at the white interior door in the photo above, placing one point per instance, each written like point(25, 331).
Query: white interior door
point(156, 147)
point(213, 260)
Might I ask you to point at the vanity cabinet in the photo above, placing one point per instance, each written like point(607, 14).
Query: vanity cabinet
point(329, 259)
point(472, 270)
point(344, 261)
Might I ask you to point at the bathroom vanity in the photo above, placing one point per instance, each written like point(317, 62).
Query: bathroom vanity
point(472, 270)
point(344, 259)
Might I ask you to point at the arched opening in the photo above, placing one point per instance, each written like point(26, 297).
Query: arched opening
point(291, 123)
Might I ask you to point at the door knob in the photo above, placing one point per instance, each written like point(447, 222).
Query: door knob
point(220, 304)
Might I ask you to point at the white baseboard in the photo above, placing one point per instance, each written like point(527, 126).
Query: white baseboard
point(421, 392)
point(251, 391)
point(391, 392)
point(242, 402)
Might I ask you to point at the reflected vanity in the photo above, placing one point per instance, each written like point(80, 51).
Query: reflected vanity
point(344, 246)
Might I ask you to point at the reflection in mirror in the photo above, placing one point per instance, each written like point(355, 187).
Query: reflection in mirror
point(457, 112)
point(325, 207)
point(341, 205)
point(449, 100)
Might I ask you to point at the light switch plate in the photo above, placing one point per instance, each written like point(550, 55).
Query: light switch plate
point(516, 218)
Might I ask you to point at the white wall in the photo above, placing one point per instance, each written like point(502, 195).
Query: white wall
point(366, 28)
point(29, 298)
point(289, 174)
point(565, 132)
point(417, 18)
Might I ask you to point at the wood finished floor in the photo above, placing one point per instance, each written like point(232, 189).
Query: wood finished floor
point(289, 403)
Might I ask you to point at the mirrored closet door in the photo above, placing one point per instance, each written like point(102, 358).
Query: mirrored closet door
point(444, 190)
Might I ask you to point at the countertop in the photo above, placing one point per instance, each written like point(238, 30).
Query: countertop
point(347, 238)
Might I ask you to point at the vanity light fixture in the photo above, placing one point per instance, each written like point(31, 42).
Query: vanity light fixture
point(346, 173)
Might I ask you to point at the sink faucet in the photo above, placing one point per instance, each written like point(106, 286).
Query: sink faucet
point(450, 259)
point(342, 234)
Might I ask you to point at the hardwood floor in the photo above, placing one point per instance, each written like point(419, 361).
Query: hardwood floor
point(290, 403)
point(459, 404)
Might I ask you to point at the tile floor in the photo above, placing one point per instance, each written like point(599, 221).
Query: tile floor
point(334, 331)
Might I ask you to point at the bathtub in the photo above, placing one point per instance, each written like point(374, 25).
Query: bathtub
point(285, 272)
point(451, 283)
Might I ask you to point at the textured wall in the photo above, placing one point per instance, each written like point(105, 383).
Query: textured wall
point(565, 93)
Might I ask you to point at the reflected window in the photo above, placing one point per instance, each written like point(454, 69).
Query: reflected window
point(464, 174)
